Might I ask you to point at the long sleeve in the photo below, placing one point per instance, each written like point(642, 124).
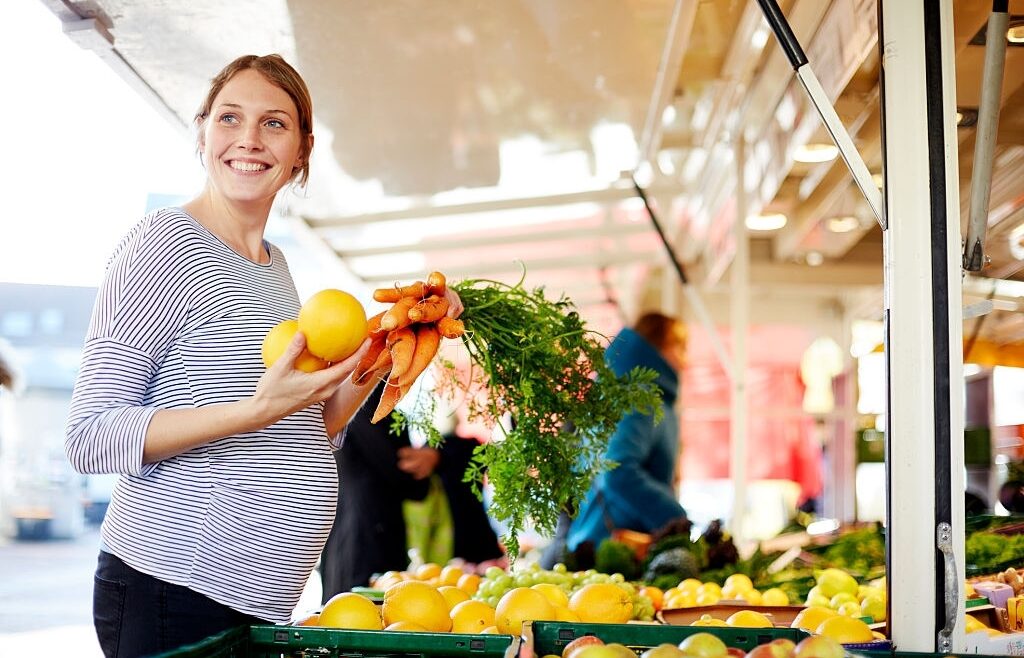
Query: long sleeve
point(630, 489)
point(138, 309)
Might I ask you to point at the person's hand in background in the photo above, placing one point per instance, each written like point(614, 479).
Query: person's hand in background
point(418, 462)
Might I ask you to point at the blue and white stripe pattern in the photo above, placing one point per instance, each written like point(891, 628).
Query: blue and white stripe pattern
point(179, 322)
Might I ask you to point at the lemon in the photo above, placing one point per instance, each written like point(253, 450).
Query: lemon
point(738, 582)
point(521, 604)
point(751, 596)
point(565, 614)
point(469, 583)
point(334, 324)
point(471, 617)
point(839, 599)
point(832, 581)
point(873, 606)
point(811, 617)
point(707, 598)
point(349, 610)
point(450, 575)
point(748, 619)
point(604, 603)
point(452, 595)
point(849, 609)
point(553, 593)
point(409, 626)
point(710, 589)
point(276, 342)
point(416, 602)
point(845, 630)
point(708, 620)
point(774, 596)
point(690, 585)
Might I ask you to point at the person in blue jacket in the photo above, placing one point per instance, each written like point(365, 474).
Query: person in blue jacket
point(639, 493)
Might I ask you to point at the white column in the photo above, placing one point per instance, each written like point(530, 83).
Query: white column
point(739, 312)
point(924, 422)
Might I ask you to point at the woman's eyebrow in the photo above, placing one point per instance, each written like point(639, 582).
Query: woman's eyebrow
point(236, 105)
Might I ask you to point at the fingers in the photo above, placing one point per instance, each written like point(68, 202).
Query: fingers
point(455, 307)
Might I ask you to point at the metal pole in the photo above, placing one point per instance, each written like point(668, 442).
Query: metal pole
point(985, 137)
point(923, 324)
point(696, 303)
point(739, 306)
point(798, 60)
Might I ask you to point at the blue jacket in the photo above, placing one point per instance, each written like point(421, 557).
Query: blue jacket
point(637, 494)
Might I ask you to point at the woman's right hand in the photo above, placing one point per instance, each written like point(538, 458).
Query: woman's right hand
point(283, 390)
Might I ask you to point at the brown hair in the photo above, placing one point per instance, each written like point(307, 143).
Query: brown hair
point(660, 330)
point(281, 74)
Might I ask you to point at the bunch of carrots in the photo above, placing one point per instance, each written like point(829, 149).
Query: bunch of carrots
point(406, 337)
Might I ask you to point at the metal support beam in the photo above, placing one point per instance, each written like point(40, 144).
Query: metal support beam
point(739, 313)
point(923, 326)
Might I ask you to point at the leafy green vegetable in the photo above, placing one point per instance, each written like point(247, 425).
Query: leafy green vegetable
point(544, 371)
point(615, 557)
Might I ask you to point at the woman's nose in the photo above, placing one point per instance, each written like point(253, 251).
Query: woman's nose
point(250, 138)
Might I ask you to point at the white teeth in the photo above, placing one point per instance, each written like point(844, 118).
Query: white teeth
point(248, 166)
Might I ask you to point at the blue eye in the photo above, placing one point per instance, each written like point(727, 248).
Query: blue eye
point(228, 118)
point(275, 123)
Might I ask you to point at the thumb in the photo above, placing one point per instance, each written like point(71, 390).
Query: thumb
point(294, 349)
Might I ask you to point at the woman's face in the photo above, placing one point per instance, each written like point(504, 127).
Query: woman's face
point(251, 141)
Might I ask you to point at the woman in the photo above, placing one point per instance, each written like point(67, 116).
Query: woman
point(228, 487)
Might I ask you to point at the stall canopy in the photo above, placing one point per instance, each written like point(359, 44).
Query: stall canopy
point(480, 137)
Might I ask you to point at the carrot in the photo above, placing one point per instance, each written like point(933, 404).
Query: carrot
point(402, 345)
point(436, 283)
point(428, 339)
point(365, 365)
point(430, 309)
point(397, 316)
point(417, 290)
point(388, 399)
point(450, 327)
point(373, 324)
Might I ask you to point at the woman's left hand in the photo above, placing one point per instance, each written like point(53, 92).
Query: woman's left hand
point(455, 307)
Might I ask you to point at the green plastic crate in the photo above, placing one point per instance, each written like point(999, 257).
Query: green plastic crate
point(307, 642)
point(550, 637)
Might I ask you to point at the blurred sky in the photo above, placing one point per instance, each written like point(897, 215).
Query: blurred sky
point(81, 154)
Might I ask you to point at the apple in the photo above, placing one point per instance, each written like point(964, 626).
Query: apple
point(819, 646)
point(665, 650)
point(736, 652)
point(579, 643)
point(613, 650)
point(703, 645)
point(777, 648)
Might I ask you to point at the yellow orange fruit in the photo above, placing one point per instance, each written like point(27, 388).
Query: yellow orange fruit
point(408, 626)
point(845, 630)
point(334, 323)
point(521, 604)
point(450, 575)
point(811, 617)
point(748, 619)
point(452, 595)
point(565, 614)
point(276, 342)
point(774, 596)
point(832, 581)
point(553, 593)
point(349, 610)
point(656, 596)
point(471, 617)
point(468, 583)
point(605, 603)
point(738, 582)
point(428, 571)
point(416, 602)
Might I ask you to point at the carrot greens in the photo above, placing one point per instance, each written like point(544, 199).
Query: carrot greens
point(539, 377)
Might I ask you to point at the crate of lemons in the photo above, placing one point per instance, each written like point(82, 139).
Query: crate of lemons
point(439, 599)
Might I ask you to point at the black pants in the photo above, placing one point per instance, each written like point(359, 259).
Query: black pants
point(138, 615)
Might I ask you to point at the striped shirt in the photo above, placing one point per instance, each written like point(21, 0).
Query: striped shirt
point(179, 322)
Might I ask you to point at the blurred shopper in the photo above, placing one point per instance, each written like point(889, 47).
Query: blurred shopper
point(639, 494)
point(369, 533)
point(473, 539)
point(227, 486)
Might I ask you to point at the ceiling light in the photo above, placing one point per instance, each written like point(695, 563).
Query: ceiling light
point(668, 115)
point(814, 258)
point(817, 152)
point(1015, 33)
point(842, 224)
point(766, 222)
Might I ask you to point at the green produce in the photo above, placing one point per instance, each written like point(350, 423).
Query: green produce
point(540, 367)
point(615, 557)
point(675, 564)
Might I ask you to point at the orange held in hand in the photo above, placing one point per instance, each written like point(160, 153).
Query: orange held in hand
point(334, 323)
point(276, 342)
